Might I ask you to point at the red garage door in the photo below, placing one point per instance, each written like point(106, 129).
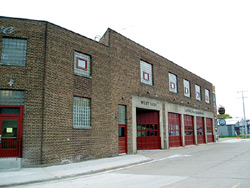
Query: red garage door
point(210, 136)
point(174, 130)
point(200, 130)
point(189, 130)
point(148, 134)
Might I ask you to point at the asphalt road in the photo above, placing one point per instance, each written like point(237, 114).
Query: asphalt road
point(220, 165)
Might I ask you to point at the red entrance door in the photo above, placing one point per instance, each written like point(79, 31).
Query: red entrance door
point(122, 139)
point(174, 130)
point(148, 134)
point(210, 136)
point(189, 130)
point(200, 130)
point(10, 131)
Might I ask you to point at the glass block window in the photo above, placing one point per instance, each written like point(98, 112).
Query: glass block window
point(81, 113)
point(11, 97)
point(207, 96)
point(198, 92)
point(187, 92)
point(82, 64)
point(13, 51)
point(146, 73)
point(122, 114)
point(172, 82)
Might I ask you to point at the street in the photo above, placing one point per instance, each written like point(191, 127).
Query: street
point(224, 165)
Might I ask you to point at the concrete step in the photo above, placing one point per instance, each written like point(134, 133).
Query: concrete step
point(10, 164)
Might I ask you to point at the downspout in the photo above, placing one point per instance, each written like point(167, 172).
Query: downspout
point(43, 95)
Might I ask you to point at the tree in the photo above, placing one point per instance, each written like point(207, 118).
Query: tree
point(224, 116)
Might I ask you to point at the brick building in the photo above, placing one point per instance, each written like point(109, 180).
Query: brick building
point(66, 98)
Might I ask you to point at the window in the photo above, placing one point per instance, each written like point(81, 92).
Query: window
point(9, 110)
point(172, 83)
point(82, 64)
point(81, 113)
point(174, 130)
point(13, 51)
point(207, 96)
point(146, 76)
point(198, 92)
point(122, 114)
point(146, 73)
point(187, 92)
point(11, 97)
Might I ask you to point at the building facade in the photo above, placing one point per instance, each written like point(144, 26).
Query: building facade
point(66, 98)
point(231, 128)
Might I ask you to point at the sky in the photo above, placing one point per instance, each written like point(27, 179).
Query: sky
point(210, 38)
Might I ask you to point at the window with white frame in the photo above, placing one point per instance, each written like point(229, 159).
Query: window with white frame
point(82, 64)
point(13, 51)
point(207, 96)
point(172, 82)
point(146, 73)
point(187, 92)
point(198, 92)
point(81, 113)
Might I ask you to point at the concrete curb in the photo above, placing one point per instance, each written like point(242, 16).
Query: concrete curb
point(55, 177)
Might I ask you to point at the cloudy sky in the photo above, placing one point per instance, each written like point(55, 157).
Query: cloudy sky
point(211, 38)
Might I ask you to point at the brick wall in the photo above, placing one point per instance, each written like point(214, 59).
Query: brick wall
point(30, 80)
point(62, 142)
point(50, 84)
point(126, 80)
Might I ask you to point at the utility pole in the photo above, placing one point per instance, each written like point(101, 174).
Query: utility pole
point(242, 93)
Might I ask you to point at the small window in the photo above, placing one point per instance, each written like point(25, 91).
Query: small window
point(146, 76)
point(146, 73)
point(172, 83)
point(198, 92)
point(11, 97)
point(82, 65)
point(122, 114)
point(13, 52)
point(81, 113)
point(207, 96)
point(187, 92)
point(9, 110)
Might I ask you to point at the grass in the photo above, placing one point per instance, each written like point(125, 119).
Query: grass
point(240, 136)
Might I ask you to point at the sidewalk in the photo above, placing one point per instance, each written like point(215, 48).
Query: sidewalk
point(31, 175)
point(40, 174)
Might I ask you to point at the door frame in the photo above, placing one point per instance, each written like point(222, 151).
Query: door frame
point(148, 118)
point(200, 138)
point(147, 104)
point(189, 139)
point(125, 138)
point(19, 118)
point(172, 139)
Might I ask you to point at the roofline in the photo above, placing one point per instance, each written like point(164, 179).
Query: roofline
point(111, 30)
point(108, 30)
point(47, 22)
